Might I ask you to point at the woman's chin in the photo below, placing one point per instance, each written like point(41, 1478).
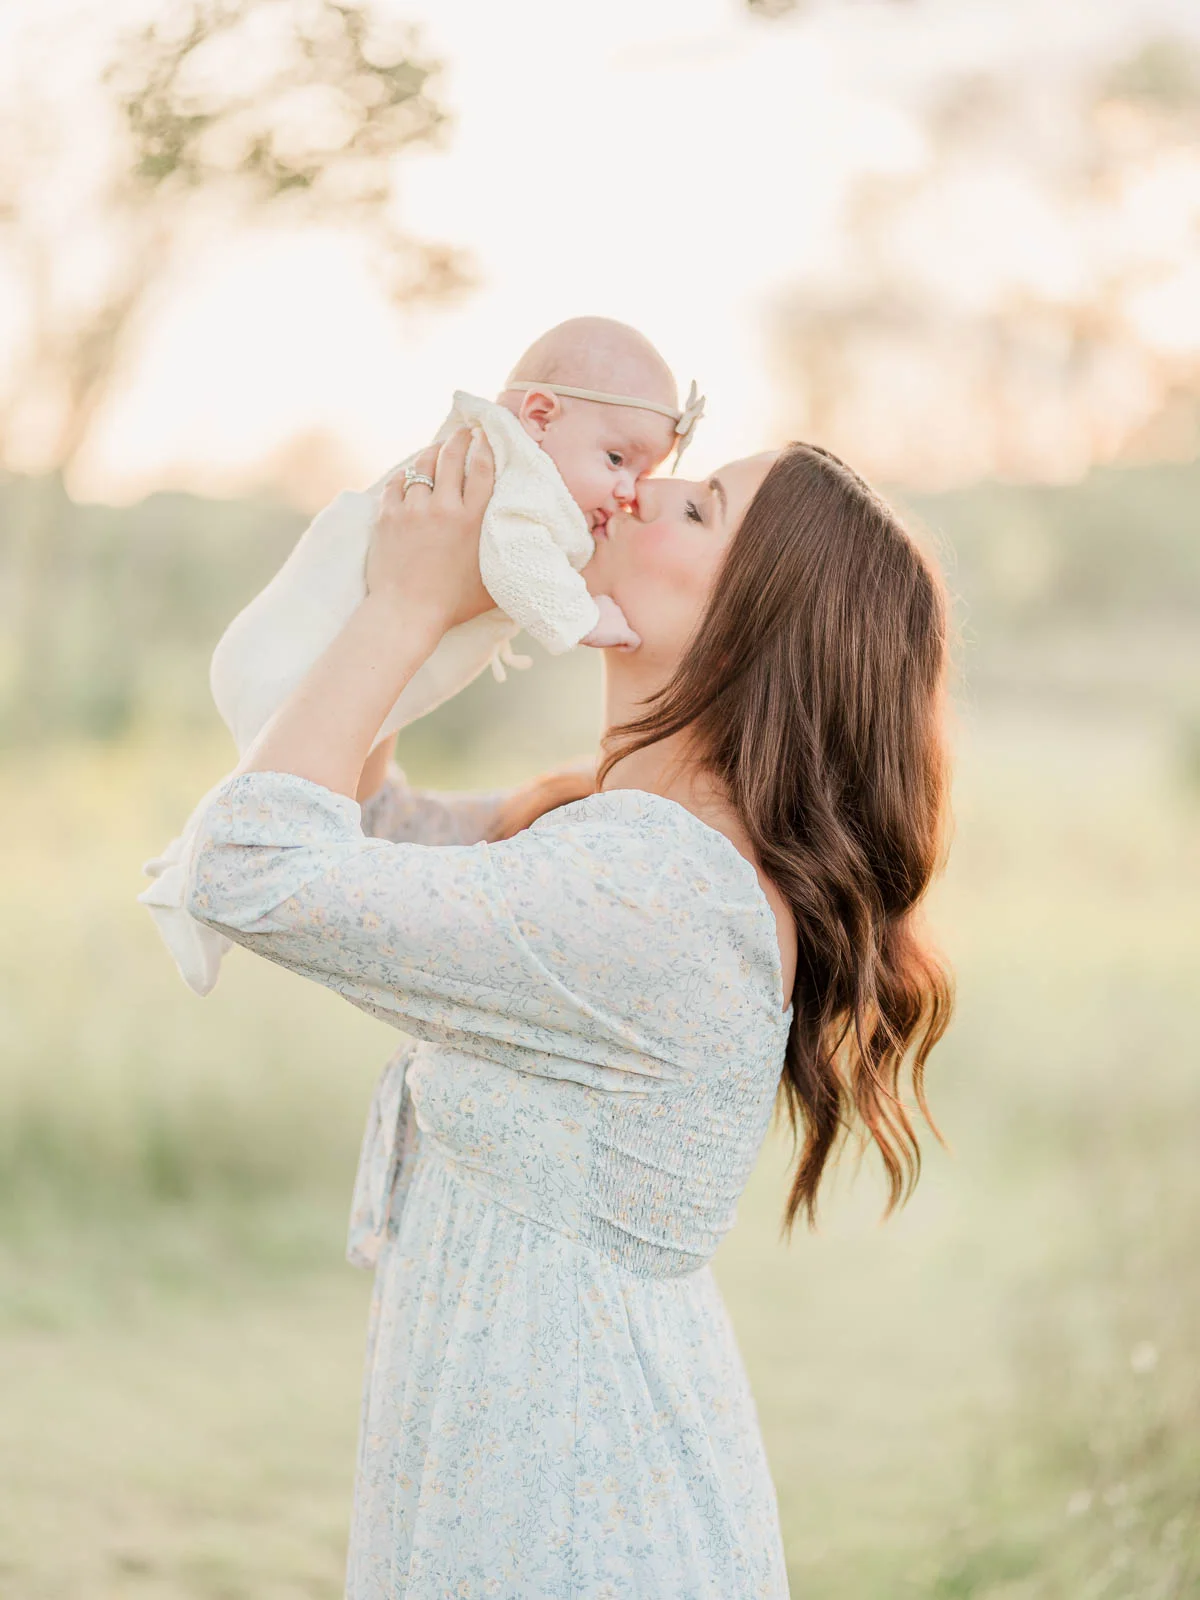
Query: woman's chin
point(593, 577)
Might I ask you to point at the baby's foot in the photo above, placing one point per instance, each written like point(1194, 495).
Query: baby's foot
point(612, 631)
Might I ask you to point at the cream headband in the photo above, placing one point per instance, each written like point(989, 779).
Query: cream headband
point(685, 421)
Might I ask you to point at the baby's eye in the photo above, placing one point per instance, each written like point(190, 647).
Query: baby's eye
point(692, 511)
point(615, 458)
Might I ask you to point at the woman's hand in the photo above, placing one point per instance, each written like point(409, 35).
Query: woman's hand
point(422, 578)
point(425, 545)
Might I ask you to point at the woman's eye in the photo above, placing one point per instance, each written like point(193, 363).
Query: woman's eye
point(615, 458)
point(692, 511)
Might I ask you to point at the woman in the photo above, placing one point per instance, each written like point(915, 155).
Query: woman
point(606, 1004)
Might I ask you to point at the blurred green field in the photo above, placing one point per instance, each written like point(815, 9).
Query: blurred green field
point(994, 1395)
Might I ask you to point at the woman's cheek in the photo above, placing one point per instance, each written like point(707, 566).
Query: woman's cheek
point(684, 579)
point(663, 554)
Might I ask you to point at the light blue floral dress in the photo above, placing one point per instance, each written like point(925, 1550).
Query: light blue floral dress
point(555, 1407)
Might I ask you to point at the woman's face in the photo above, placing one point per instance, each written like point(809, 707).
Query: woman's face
point(659, 559)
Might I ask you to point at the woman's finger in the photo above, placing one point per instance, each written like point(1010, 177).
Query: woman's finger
point(481, 475)
point(398, 485)
point(426, 463)
point(451, 462)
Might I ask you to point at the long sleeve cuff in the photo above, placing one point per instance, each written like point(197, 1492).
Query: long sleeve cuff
point(262, 837)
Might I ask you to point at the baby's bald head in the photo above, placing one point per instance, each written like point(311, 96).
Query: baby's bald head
point(598, 353)
point(600, 449)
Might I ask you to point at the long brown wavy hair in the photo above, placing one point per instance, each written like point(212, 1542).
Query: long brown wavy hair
point(816, 686)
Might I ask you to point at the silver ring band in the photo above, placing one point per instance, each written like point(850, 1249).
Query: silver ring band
point(411, 477)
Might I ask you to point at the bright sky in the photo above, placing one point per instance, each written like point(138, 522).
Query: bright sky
point(671, 162)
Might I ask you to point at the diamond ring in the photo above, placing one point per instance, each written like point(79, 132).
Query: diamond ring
point(411, 477)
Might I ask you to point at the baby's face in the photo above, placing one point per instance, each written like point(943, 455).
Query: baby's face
point(602, 451)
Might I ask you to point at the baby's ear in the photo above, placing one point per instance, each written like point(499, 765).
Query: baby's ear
point(539, 408)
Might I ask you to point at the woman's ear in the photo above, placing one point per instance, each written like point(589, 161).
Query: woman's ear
point(539, 409)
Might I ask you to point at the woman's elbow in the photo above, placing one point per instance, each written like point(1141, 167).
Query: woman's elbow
point(203, 900)
point(218, 897)
point(253, 888)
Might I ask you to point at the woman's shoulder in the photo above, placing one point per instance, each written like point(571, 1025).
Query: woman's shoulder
point(664, 865)
point(625, 818)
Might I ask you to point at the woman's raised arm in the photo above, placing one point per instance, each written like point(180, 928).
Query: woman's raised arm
point(422, 579)
point(519, 952)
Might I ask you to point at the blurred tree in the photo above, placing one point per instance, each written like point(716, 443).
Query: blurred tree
point(988, 313)
point(217, 115)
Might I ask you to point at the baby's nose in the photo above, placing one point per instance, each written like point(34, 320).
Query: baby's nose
point(625, 489)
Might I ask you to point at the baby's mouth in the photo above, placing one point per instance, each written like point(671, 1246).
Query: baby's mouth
point(600, 524)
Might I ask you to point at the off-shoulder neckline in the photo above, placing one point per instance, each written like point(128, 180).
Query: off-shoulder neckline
point(644, 796)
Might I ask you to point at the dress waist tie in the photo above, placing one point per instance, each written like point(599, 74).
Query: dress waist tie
point(389, 1139)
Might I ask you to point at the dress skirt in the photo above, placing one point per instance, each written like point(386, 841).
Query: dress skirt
point(540, 1422)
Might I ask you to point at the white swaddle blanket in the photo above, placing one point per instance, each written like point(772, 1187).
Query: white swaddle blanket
point(533, 541)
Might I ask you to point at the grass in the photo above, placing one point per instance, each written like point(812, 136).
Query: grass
point(994, 1395)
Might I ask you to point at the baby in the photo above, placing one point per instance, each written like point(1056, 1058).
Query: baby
point(588, 410)
point(566, 393)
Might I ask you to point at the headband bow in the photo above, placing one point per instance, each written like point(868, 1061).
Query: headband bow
point(685, 421)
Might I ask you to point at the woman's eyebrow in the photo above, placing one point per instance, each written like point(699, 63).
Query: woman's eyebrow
point(718, 488)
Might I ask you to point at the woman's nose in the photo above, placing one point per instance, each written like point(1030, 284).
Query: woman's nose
point(642, 504)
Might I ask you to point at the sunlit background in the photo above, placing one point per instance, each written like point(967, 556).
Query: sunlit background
point(247, 250)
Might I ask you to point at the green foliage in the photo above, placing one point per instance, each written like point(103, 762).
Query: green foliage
point(1187, 752)
point(332, 97)
point(1087, 592)
point(1122, 546)
point(992, 1397)
point(141, 595)
point(228, 114)
point(1163, 73)
point(890, 364)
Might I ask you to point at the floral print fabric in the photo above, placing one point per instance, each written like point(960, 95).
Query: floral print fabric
point(554, 1403)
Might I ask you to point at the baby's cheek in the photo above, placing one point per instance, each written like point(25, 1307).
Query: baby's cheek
point(596, 492)
point(577, 473)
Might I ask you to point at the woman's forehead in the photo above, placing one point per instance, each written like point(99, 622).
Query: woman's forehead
point(756, 466)
point(740, 479)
